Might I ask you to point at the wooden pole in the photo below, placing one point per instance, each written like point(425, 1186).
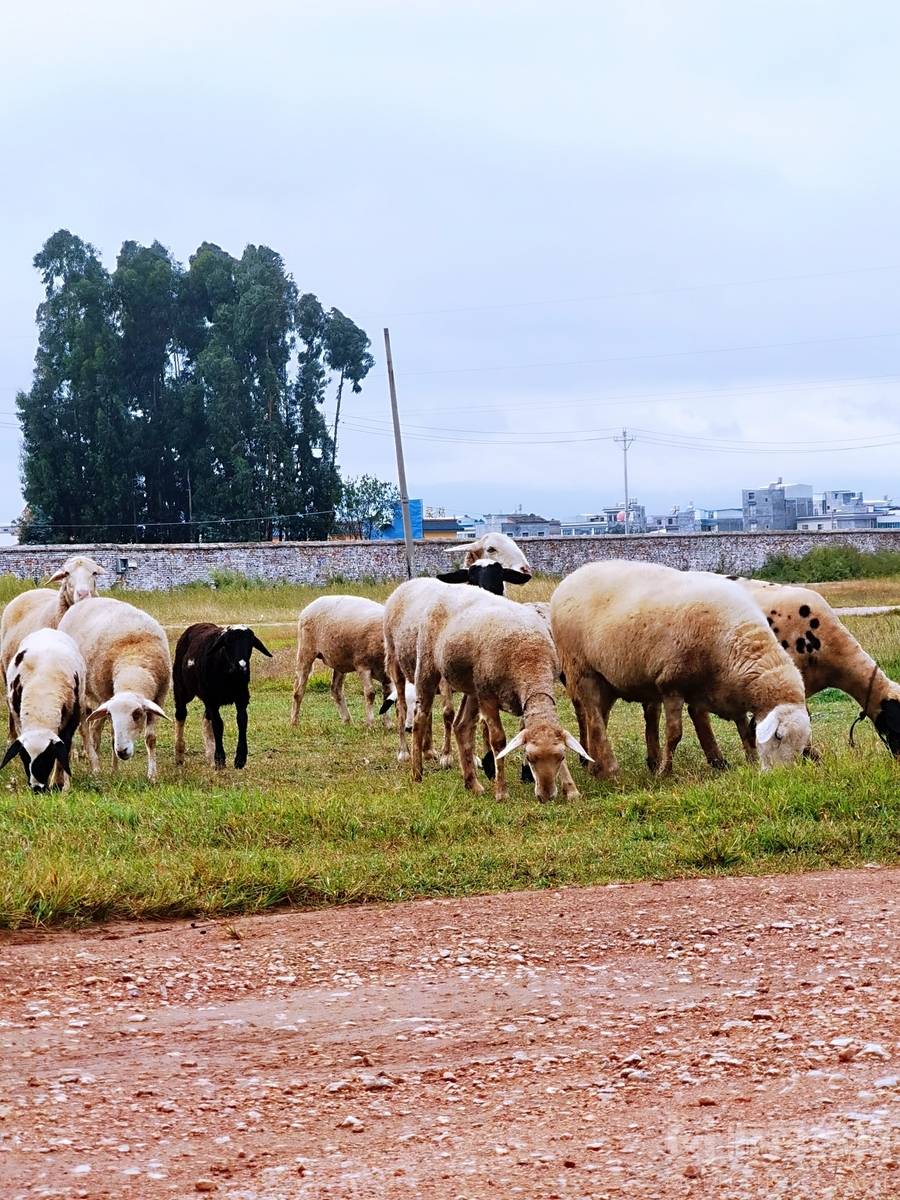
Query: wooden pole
point(398, 446)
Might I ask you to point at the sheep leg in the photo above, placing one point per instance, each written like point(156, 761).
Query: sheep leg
point(180, 718)
point(303, 667)
point(446, 759)
point(425, 691)
point(705, 736)
point(651, 735)
point(387, 720)
point(90, 739)
point(596, 701)
point(747, 732)
point(490, 712)
point(398, 681)
point(240, 753)
point(368, 690)
point(673, 706)
point(464, 732)
point(567, 783)
point(337, 691)
point(150, 743)
point(218, 730)
point(209, 741)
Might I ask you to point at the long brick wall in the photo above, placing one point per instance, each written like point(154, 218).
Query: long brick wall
point(158, 567)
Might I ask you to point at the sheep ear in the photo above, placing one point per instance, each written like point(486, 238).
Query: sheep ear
point(462, 547)
point(60, 575)
point(62, 756)
point(257, 645)
point(517, 741)
point(576, 747)
point(150, 707)
point(767, 728)
point(12, 750)
point(388, 703)
point(461, 576)
point(510, 576)
point(100, 713)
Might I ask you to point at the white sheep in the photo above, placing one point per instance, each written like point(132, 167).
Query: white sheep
point(44, 608)
point(651, 634)
point(347, 634)
point(45, 682)
point(826, 654)
point(499, 654)
point(129, 669)
point(493, 547)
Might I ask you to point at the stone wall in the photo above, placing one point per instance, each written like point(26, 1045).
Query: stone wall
point(159, 566)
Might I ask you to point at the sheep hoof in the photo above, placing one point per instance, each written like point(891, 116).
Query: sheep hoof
point(475, 788)
point(719, 764)
point(430, 755)
point(219, 764)
point(403, 756)
point(240, 763)
point(445, 761)
point(652, 764)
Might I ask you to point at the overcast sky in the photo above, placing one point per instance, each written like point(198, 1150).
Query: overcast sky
point(680, 215)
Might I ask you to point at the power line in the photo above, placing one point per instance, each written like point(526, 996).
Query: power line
point(663, 291)
point(321, 512)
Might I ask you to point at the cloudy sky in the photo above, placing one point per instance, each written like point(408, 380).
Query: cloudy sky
point(676, 215)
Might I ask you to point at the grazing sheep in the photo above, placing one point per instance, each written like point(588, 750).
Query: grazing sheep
point(493, 547)
point(500, 655)
point(347, 634)
point(650, 634)
point(214, 664)
point(826, 654)
point(44, 692)
point(44, 608)
point(128, 673)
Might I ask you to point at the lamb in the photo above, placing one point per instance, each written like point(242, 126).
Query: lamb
point(44, 692)
point(128, 673)
point(493, 547)
point(826, 654)
point(44, 608)
point(214, 664)
point(651, 634)
point(347, 634)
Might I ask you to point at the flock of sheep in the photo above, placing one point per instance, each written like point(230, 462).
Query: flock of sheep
point(747, 651)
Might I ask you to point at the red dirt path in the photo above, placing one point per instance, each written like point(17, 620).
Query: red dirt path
point(729, 1038)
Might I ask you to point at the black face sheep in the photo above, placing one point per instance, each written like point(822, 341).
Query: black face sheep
point(490, 576)
point(213, 664)
point(44, 693)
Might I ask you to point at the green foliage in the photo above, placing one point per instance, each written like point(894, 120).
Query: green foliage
point(834, 562)
point(188, 403)
point(367, 505)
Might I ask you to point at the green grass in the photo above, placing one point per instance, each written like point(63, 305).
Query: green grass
point(324, 815)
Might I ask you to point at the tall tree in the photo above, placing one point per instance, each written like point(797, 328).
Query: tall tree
point(78, 473)
point(367, 505)
point(347, 353)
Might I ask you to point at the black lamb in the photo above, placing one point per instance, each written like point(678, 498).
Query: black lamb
point(213, 664)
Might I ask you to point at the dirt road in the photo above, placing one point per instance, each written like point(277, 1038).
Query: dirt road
point(729, 1038)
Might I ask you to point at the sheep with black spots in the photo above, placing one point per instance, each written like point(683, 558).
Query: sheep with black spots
point(493, 547)
point(129, 670)
point(826, 654)
point(213, 663)
point(45, 681)
point(657, 636)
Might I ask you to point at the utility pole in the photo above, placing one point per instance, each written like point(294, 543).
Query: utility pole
point(398, 446)
point(625, 441)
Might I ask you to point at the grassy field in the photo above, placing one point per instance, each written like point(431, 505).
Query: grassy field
point(323, 814)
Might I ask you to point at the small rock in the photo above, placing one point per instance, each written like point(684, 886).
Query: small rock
point(205, 1185)
point(887, 1081)
point(874, 1050)
point(354, 1124)
point(707, 1102)
point(692, 1171)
